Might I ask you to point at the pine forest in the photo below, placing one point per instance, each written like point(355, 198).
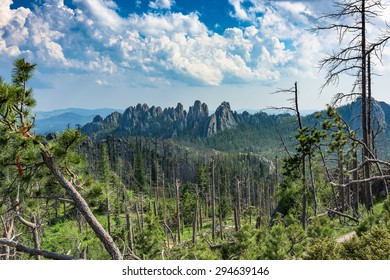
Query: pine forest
point(174, 184)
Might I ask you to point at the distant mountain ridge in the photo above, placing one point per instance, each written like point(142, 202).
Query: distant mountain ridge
point(58, 120)
point(167, 123)
point(142, 120)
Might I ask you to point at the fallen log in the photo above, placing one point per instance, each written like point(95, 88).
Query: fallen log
point(33, 251)
point(343, 215)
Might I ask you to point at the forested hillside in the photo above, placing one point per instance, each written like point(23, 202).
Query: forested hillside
point(69, 196)
point(153, 183)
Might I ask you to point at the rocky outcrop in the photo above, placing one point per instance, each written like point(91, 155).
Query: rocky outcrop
point(221, 120)
point(170, 122)
point(197, 117)
point(113, 119)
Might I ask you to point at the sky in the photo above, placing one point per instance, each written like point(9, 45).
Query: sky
point(118, 53)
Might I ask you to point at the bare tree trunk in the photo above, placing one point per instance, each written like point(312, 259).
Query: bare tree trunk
point(238, 205)
point(369, 104)
point(200, 215)
point(366, 155)
point(341, 181)
point(108, 215)
point(164, 199)
point(313, 187)
point(213, 225)
point(304, 194)
point(139, 219)
point(236, 224)
point(8, 224)
point(128, 219)
point(35, 233)
point(142, 212)
point(177, 185)
point(220, 225)
point(195, 221)
point(355, 186)
point(33, 225)
point(84, 251)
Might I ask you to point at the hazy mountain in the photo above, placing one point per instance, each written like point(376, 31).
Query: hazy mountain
point(58, 120)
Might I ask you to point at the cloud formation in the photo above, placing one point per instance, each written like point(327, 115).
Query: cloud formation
point(161, 4)
point(163, 48)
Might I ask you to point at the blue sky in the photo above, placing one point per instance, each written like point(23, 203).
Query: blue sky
point(117, 53)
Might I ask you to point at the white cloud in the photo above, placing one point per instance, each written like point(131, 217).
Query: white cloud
point(239, 11)
point(101, 82)
point(298, 10)
point(12, 28)
point(103, 11)
point(163, 48)
point(161, 4)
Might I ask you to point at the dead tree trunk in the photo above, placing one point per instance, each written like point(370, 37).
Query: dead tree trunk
point(8, 225)
point(304, 191)
point(236, 224)
point(213, 225)
point(238, 206)
point(355, 186)
point(313, 187)
point(177, 185)
point(195, 221)
point(108, 215)
point(33, 251)
point(128, 219)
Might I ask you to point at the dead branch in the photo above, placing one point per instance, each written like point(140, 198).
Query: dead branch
point(34, 252)
point(343, 215)
point(367, 180)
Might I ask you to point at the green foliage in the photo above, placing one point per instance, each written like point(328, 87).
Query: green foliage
point(242, 245)
point(381, 219)
point(187, 204)
point(189, 251)
point(289, 196)
point(319, 228)
point(372, 245)
point(323, 249)
point(281, 242)
point(149, 244)
point(308, 140)
point(139, 170)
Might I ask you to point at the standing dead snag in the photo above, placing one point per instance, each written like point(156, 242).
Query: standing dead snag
point(177, 187)
point(305, 151)
point(353, 17)
point(213, 225)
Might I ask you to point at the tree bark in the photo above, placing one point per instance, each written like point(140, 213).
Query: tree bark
point(343, 215)
point(213, 226)
point(313, 187)
point(238, 206)
point(177, 185)
point(195, 220)
point(304, 194)
point(367, 186)
point(8, 225)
